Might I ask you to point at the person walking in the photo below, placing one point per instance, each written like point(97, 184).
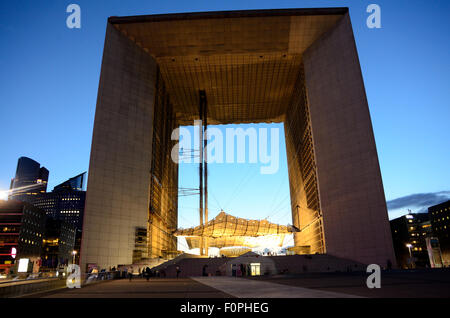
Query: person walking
point(178, 271)
point(130, 273)
point(389, 265)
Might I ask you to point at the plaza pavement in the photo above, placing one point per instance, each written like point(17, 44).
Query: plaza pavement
point(394, 284)
point(139, 288)
point(426, 283)
point(195, 287)
point(248, 288)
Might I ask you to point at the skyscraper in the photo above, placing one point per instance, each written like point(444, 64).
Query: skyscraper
point(76, 183)
point(31, 179)
point(65, 204)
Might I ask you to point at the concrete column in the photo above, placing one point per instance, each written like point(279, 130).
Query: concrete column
point(119, 170)
point(351, 192)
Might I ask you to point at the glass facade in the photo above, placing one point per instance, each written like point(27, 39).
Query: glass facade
point(30, 179)
point(76, 183)
point(65, 204)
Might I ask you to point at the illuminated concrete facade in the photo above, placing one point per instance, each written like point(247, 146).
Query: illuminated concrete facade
point(296, 66)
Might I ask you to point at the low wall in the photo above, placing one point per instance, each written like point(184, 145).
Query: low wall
point(21, 288)
point(31, 286)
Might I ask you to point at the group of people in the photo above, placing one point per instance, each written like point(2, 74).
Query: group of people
point(148, 273)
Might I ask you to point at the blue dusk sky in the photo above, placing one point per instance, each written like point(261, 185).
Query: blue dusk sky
point(49, 78)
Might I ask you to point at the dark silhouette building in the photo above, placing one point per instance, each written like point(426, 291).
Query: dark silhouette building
point(76, 183)
point(66, 204)
point(409, 233)
point(58, 243)
point(440, 221)
point(22, 228)
point(31, 179)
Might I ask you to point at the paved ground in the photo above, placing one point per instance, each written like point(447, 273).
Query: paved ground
point(140, 288)
point(394, 284)
point(249, 288)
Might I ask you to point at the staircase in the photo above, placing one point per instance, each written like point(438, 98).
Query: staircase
point(192, 265)
point(166, 263)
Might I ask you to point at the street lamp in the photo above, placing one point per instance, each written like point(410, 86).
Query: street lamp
point(409, 248)
point(411, 260)
point(74, 253)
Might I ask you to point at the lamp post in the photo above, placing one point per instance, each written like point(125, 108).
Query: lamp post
point(409, 248)
point(410, 254)
point(74, 253)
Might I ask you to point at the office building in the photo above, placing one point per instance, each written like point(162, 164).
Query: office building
point(31, 179)
point(58, 244)
point(440, 221)
point(22, 228)
point(409, 235)
point(66, 204)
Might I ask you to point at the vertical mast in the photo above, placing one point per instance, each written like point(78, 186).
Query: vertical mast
point(201, 170)
point(205, 121)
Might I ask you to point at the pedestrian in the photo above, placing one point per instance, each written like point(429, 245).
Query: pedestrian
point(178, 271)
point(389, 264)
point(130, 274)
point(204, 270)
point(148, 273)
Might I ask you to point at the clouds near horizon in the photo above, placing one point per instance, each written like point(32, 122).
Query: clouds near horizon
point(417, 203)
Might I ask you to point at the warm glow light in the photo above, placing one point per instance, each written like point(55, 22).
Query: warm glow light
point(4, 195)
point(13, 252)
point(23, 265)
point(18, 190)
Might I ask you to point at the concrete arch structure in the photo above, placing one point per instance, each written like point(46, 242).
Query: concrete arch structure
point(297, 66)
